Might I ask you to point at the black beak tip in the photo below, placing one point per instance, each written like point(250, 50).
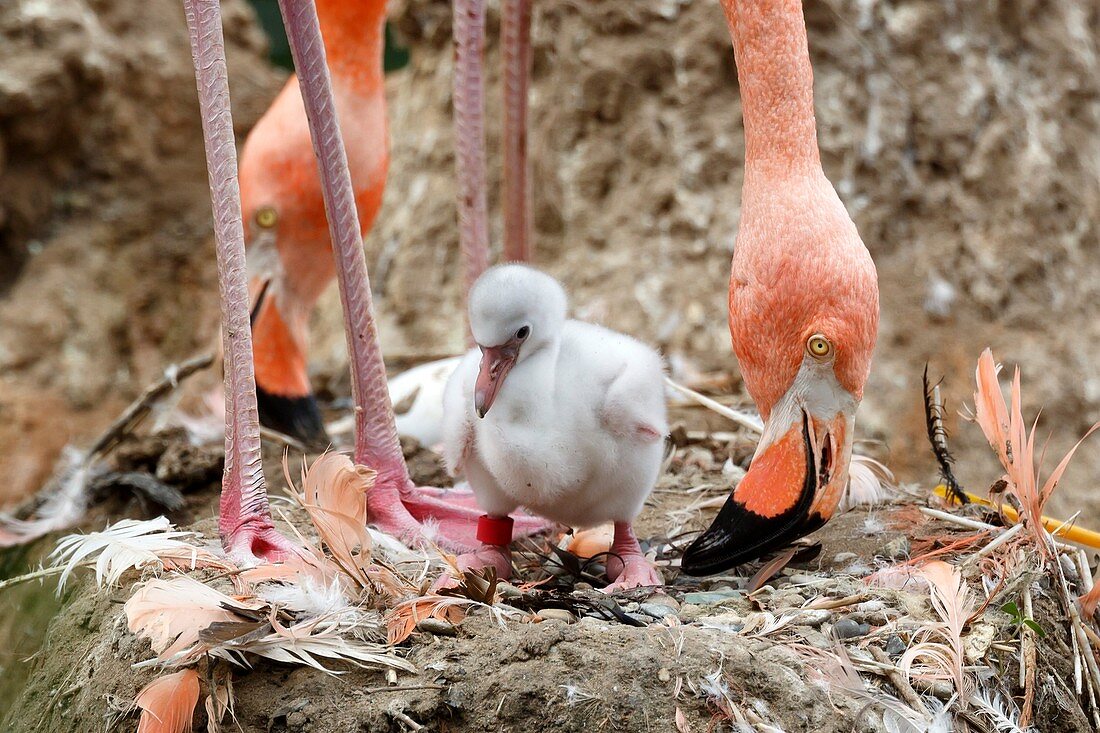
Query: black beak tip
point(738, 536)
point(712, 552)
point(298, 417)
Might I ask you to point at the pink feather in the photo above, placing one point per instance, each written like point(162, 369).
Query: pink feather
point(168, 703)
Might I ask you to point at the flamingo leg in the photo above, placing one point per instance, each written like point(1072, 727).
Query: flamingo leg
point(469, 114)
point(245, 524)
point(516, 42)
point(394, 504)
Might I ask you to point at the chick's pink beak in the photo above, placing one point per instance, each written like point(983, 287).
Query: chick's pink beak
point(496, 362)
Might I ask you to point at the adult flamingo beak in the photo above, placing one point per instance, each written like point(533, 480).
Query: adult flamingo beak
point(496, 362)
point(793, 486)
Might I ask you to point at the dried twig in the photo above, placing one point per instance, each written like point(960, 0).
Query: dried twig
point(139, 408)
point(897, 679)
point(1028, 658)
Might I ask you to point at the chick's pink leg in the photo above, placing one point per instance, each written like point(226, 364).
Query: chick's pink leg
point(495, 535)
point(628, 567)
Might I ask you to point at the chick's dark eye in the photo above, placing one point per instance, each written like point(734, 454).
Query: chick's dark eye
point(523, 332)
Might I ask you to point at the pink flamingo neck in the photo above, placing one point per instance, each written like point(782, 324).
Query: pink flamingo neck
point(776, 80)
point(376, 441)
point(244, 495)
point(354, 35)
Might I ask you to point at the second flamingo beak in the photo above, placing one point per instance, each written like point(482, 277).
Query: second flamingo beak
point(792, 487)
point(496, 362)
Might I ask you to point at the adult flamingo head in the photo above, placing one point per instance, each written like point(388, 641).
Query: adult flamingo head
point(803, 301)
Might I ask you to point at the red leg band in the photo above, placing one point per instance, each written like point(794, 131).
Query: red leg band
point(494, 530)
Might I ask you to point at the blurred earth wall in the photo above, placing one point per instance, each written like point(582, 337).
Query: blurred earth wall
point(963, 137)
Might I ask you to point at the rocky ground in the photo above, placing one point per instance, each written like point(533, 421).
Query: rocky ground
point(696, 655)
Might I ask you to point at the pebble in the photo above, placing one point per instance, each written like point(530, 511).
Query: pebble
point(557, 614)
point(690, 612)
point(847, 628)
point(657, 610)
point(896, 549)
point(664, 675)
point(631, 606)
point(641, 618)
point(812, 617)
point(436, 626)
point(582, 586)
point(895, 647)
point(712, 597)
point(507, 590)
point(844, 557)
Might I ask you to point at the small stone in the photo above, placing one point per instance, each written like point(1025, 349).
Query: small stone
point(557, 614)
point(662, 600)
point(712, 597)
point(895, 647)
point(846, 628)
point(664, 675)
point(437, 627)
point(896, 549)
point(631, 606)
point(641, 618)
point(812, 617)
point(976, 643)
point(582, 586)
point(845, 557)
point(657, 610)
point(507, 590)
point(690, 612)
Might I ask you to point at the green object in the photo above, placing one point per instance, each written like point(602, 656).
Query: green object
point(1018, 619)
point(395, 56)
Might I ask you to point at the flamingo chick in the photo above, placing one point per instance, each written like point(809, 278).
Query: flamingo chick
point(803, 301)
point(562, 417)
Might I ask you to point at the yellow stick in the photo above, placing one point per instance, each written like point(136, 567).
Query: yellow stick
point(1080, 535)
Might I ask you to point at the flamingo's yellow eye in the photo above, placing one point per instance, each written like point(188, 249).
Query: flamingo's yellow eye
point(818, 346)
point(267, 217)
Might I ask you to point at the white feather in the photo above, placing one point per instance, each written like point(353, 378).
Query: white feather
point(128, 544)
point(869, 483)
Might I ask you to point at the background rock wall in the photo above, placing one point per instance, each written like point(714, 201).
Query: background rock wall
point(963, 137)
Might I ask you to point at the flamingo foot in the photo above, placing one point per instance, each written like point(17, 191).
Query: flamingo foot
point(635, 572)
point(446, 517)
point(627, 566)
point(256, 541)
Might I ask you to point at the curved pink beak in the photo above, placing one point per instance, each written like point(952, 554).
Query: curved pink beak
point(496, 362)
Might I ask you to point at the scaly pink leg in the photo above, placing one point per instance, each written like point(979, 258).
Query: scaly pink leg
point(495, 535)
point(469, 111)
point(394, 504)
point(516, 41)
point(245, 524)
point(627, 565)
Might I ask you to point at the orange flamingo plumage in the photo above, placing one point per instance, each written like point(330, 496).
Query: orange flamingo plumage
point(803, 300)
point(289, 248)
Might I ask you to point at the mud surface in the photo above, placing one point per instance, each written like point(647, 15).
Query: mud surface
point(708, 651)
